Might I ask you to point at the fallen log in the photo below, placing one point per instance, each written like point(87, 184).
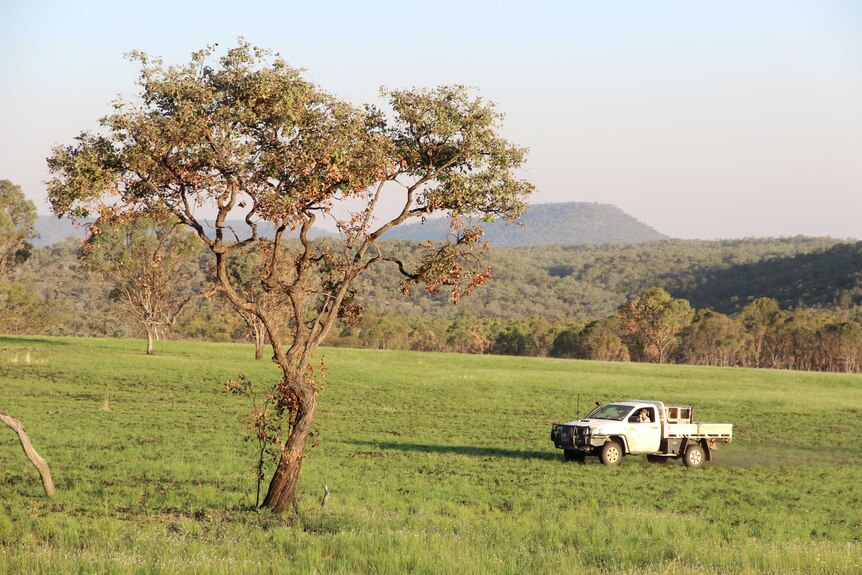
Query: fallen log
point(31, 453)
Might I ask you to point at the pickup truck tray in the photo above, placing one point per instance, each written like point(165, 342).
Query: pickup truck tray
point(700, 429)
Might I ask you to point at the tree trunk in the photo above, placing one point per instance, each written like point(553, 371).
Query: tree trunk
point(283, 485)
point(31, 453)
point(258, 331)
point(259, 339)
point(150, 337)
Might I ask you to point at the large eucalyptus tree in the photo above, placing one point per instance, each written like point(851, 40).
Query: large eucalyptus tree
point(244, 135)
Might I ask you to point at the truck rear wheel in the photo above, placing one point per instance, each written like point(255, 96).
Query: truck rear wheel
point(573, 455)
point(611, 453)
point(694, 456)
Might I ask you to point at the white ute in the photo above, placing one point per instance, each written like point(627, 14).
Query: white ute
point(640, 427)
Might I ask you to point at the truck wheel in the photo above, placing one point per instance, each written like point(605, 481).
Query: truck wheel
point(694, 456)
point(611, 453)
point(572, 455)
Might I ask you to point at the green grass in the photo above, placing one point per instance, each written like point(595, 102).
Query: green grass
point(436, 463)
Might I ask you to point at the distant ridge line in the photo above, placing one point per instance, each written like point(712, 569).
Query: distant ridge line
point(566, 223)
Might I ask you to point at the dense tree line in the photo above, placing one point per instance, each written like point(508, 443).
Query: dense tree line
point(552, 301)
point(652, 327)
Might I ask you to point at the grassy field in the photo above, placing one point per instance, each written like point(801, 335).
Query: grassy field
point(436, 463)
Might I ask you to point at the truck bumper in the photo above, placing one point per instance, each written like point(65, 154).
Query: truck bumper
point(572, 437)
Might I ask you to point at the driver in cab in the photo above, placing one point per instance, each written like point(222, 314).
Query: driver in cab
point(641, 417)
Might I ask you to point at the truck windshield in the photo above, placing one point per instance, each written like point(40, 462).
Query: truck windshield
point(613, 411)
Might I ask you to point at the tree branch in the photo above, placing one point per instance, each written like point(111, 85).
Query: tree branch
point(36, 459)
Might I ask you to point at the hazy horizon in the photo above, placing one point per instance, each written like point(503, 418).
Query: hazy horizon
point(700, 120)
point(321, 225)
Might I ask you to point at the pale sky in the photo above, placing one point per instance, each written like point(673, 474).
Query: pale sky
point(702, 119)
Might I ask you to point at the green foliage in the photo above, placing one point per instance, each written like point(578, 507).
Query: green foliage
point(516, 339)
point(652, 321)
point(79, 301)
point(21, 311)
point(467, 334)
point(149, 264)
point(20, 308)
point(567, 343)
point(448, 132)
point(601, 340)
point(716, 339)
point(435, 464)
point(17, 226)
point(827, 277)
point(263, 426)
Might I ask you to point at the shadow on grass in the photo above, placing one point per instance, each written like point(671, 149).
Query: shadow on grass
point(6, 339)
point(470, 450)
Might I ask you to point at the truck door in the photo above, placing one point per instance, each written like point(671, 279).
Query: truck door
point(643, 436)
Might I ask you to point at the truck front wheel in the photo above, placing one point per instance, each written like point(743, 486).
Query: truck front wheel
point(611, 453)
point(694, 456)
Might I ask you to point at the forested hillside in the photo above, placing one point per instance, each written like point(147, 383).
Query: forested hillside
point(791, 302)
point(564, 282)
point(589, 281)
point(830, 277)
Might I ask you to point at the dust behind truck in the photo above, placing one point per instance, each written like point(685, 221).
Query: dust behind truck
point(663, 433)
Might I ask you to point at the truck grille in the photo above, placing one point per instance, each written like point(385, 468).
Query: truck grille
point(569, 436)
point(582, 436)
